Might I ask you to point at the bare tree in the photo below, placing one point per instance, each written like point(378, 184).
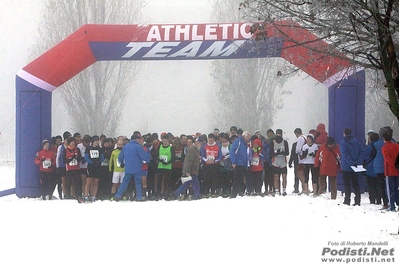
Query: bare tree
point(377, 110)
point(363, 32)
point(249, 89)
point(95, 97)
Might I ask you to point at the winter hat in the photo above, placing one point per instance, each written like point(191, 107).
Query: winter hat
point(44, 142)
point(270, 131)
point(257, 141)
point(279, 131)
point(310, 136)
point(330, 141)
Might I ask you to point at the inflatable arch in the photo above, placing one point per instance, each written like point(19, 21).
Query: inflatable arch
point(91, 43)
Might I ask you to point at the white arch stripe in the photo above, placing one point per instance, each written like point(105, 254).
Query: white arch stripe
point(35, 81)
point(342, 75)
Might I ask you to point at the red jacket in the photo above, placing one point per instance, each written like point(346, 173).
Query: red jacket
point(326, 159)
point(256, 163)
point(390, 151)
point(178, 163)
point(320, 134)
point(46, 160)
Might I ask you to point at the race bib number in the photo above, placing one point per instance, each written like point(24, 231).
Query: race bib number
point(210, 158)
point(94, 154)
point(118, 164)
point(47, 164)
point(255, 161)
point(163, 158)
point(105, 162)
point(74, 162)
point(178, 154)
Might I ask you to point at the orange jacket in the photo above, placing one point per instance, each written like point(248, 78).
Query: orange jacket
point(326, 159)
point(390, 151)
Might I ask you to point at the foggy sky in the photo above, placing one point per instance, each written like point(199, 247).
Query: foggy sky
point(174, 96)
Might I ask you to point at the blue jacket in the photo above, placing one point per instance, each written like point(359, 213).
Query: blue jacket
point(351, 153)
point(133, 155)
point(238, 152)
point(378, 163)
point(368, 161)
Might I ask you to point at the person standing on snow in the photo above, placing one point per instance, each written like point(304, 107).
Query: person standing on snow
point(132, 157)
point(390, 152)
point(46, 161)
point(328, 161)
point(279, 150)
point(351, 155)
point(239, 160)
point(191, 168)
point(94, 157)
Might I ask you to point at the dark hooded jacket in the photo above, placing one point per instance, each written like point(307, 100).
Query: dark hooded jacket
point(351, 153)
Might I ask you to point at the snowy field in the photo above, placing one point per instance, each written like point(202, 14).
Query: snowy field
point(292, 230)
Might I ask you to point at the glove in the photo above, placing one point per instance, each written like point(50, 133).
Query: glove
point(278, 152)
point(122, 165)
point(43, 159)
point(290, 165)
point(164, 163)
point(312, 154)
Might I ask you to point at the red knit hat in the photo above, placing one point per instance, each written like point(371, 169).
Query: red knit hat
point(257, 141)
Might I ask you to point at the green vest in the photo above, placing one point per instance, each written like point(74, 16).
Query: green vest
point(165, 154)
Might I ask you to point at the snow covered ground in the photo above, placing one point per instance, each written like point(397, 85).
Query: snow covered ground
point(242, 231)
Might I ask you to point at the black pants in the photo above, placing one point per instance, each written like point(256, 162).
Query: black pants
point(296, 179)
point(257, 181)
point(210, 183)
point(105, 183)
point(57, 182)
point(315, 173)
point(351, 180)
point(164, 184)
point(374, 190)
point(46, 184)
point(238, 177)
point(150, 182)
point(73, 179)
point(225, 177)
point(269, 178)
point(383, 187)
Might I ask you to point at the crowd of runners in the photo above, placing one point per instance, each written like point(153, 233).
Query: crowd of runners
point(218, 164)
